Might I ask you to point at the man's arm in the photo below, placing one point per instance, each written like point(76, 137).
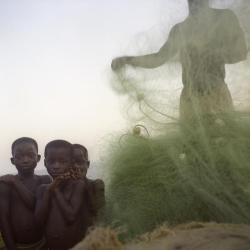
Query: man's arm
point(42, 204)
point(167, 51)
point(5, 216)
point(70, 209)
point(237, 49)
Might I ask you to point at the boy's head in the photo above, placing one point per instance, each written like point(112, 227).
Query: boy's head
point(25, 154)
point(81, 159)
point(58, 157)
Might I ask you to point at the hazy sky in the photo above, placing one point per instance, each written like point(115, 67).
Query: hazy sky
point(55, 66)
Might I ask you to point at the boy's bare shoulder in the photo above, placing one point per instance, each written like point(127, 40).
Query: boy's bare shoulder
point(44, 179)
point(8, 179)
point(97, 184)
point(94, 180)
point(4, 187)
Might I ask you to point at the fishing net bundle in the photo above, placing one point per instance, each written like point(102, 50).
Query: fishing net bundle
point(170, 170)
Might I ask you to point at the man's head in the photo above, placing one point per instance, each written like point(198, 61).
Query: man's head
point(25, 154)
point(196, 5)
point(58, 157)
point(81, 160)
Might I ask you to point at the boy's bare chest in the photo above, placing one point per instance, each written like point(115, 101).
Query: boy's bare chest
point(31, 185)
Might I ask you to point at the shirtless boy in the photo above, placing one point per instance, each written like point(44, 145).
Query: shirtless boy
point(17, 192)
point(96, 188)
point(62, 205)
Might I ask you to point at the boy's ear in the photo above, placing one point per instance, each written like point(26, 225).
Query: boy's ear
point(88, 162)
point(12, 160)
point(38, 158)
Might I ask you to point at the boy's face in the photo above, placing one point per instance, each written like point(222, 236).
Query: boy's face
point(58, 161)
point(25, 157)
point(81, 161)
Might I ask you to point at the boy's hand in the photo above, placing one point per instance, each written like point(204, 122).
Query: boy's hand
point(9, 179)
point(54, 185)
point(58, 180)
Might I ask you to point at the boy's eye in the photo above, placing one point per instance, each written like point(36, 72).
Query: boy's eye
point(80, 161)
point(18, 157)
point(31, 155)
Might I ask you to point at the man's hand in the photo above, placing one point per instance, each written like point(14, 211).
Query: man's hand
point(120, 62)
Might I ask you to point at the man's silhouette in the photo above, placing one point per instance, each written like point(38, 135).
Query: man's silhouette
point(205, 41)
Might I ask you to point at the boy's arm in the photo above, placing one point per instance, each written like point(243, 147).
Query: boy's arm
point(96, 197)
point(167, 51)
point(5, 216)
point(70, 209)
point(27, 196)
point(42, 204)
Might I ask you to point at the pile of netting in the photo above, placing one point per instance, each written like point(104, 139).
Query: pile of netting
point(171, 171)
point(191, 173)
point(167, 171)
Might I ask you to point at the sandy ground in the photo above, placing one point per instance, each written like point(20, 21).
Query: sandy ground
point(194, 236)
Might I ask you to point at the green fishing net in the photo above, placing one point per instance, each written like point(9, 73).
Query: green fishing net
point(170, 170)
point(188, 174)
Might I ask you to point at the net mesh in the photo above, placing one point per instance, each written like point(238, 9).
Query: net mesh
point(173, 169)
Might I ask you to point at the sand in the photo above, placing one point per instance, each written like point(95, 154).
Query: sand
point(208, 236)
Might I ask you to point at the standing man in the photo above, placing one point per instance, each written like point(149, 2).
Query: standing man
point(205, 41)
